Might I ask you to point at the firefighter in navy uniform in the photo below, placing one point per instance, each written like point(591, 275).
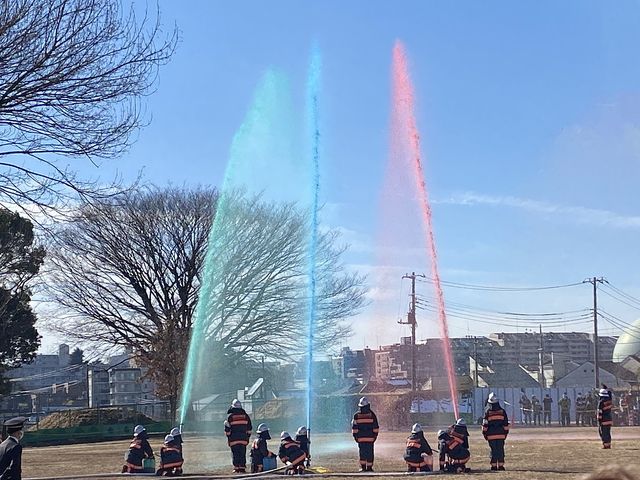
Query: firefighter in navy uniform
point(365, 430)
point(291, 454)
point(170, 458)
point(237, 428)
point(418, 454)
point(605, 418)
point(259, 449)
point(453, 455)
point(460, 449)
point(11, 450)
point(177, 437)
point(302, 437)
point(139, 449)
point(495, 428)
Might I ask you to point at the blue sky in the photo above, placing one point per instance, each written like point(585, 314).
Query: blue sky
point(529, 115)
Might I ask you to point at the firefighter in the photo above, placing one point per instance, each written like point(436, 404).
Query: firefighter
point(495, 428)
point(365, 430)
point(525, 408)
point(591, 407)
point(291, 454)
point(177, 437)
point(418, 454)
point(605, 419)
point(302, 437)
point(139, 449)
point(565, 410)
point(453, 455)
point(460, 432)
point(237, 428)
point(259, 449)
point(170, 458)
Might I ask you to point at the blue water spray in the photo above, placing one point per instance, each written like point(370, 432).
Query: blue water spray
point(313, 91)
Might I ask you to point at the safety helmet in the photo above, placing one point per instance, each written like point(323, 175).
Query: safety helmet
point(236, 403)
point(302, 430)
point(493, 398)
point(138, 430)
point(460, 421)
point(363, 402)
point(284, 435)
point(416, 428)
point(175, 431)
point(604, 393)
point(168, 438)
point(441, 433)
point(262, 428)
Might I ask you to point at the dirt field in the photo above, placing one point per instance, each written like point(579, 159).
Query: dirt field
point(532, 453)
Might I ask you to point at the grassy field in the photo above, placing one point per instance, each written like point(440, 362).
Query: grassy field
point(532, 453)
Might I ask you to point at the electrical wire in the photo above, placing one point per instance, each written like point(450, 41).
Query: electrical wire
point(622, 293)
point(495, 288)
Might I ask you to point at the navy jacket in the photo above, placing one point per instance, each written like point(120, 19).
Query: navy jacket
point(365, 425)
point(10, 460)
point(238, 427)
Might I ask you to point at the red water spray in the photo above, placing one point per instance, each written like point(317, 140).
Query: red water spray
point(406, 138)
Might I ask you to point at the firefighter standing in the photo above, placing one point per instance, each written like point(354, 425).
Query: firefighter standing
point(139, 449)
point(291, 454)
point(259, 449)
point(525, 408)
point(495, 428)
point(238, 428)
point(418, 454)
point(605, 419)
point(537, 410)
point(365, 430)
point(170, 458)
point(565, 408)
point(580, 407)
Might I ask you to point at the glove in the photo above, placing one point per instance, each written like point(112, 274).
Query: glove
point(288, 464)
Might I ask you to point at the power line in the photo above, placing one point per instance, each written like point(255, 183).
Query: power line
point(495, 288)
point(624, 294)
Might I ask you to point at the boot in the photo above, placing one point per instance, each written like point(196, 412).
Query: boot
point(370, 468)
point(494, 468)
point(501, 467)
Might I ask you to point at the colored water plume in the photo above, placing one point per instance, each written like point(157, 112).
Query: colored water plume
point(407, 135)
point(250, 169)
point(313, 92)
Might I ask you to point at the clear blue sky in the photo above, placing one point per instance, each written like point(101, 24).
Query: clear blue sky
point(529, 115)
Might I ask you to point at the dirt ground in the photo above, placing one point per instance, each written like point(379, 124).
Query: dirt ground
point(531, 453)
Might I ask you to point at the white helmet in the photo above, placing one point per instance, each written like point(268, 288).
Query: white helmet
point(236, 403)
point(493, 398)
point(175, 431)
point(138, 430)
point(460, 421)
point(262, 428)
point(168, 438)
point(284, 435)
point(604, 392)
point(363, 402)
point(441, 432)
point(302, 430)
point(416, 428)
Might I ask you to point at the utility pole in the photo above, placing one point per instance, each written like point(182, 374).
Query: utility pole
point(411, 320)
point(541, 380)
point(596, 361)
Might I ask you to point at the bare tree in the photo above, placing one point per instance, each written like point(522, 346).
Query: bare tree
point(72, 77)
point(130, 272)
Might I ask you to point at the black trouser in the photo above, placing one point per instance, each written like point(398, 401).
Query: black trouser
point(239, 456)
point(536, 418)
point(547, 417)
point(366, 454)
point(497, 452)
point(565, 419)
point(605, 435)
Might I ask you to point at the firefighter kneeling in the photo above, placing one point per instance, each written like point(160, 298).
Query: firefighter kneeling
point(260, 450)
point(139, 449)
point(454, 452)
point(418, 455)
point(495, 428)
point(170, 458)
point(291, 454)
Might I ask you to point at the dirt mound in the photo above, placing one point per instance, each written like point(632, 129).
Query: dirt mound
point(105, 416)
point(280, 409)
